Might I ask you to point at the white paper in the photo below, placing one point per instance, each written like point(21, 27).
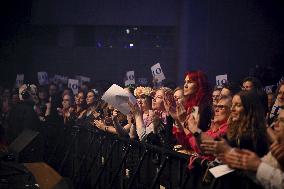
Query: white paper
point(157, 72)
point(221, 79)
point(42, 78)
point(268, 89)
point(118, 98)
point(82, 79)
point(73, 84)
point(20, 80)
point(220, 170)
point(130, 78)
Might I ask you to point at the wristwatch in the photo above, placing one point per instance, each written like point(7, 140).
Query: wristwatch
point(197, 133)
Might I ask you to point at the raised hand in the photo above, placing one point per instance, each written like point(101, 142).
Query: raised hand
point(135, 108)
point(181, 112)
point(242, 159)
point(213, 147)
point(192, 124)
point(277, 150)
point(99, 124)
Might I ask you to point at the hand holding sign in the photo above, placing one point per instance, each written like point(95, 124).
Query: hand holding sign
point(157, 72)
point(119, 98)
point(73, 84)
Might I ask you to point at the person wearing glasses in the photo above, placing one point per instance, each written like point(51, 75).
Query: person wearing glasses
point(216, 94)
point(247, 127)
point(218, 127)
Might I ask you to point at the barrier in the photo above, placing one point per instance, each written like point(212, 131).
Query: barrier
point(95, 159)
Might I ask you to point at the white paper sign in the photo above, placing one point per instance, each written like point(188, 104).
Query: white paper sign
point(118, 98)
point(42, 78)
point(268, 89)
point(82, 79)
point(157, 72)
point(220, 170)
point(130, 78)
point(73, 84)
point(221, 79)
point(20, 80)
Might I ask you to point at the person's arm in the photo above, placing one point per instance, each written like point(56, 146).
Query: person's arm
point(270, 177)
point(277, 150)
point(121, 131)
point(100, 125)
point(140, 127)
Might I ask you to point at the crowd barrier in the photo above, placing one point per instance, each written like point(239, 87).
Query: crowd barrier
point(95, 159)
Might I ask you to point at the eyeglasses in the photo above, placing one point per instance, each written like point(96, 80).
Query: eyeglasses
point(221, 107)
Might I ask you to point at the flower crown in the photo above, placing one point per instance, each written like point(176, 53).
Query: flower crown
point(139, 91)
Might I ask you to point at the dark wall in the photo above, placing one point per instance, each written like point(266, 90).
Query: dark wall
point(106, 12)
point(228, 36)
point(219, 36)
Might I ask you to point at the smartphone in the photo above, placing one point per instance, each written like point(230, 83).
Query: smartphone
point(194, 111)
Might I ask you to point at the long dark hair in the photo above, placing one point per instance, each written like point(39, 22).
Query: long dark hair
point(252, 120)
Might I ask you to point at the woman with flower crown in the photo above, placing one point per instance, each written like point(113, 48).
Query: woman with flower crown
point(143, 114)
point(153, 124)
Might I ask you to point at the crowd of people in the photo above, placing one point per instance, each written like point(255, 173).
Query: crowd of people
point(238, 125)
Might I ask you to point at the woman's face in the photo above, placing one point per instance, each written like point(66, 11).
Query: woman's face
point(225, 93)
point(66, 102)
point(247, 85)
point(179, 97)
point(79, 99)
point(279, 127)
point(237, 108)
point(222, 110)
point(144, 103)
point(90, 98)
point(189, 87)
point(157, 102)
point(280, 96)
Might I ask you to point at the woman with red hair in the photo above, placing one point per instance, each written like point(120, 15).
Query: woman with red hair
point(197, 95)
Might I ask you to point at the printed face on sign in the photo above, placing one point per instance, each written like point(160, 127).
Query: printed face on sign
point(73, 84)
point(221, 79)
point(157, 72)
point(130, 77)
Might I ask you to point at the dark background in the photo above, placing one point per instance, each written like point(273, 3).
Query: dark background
point(88, 37)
